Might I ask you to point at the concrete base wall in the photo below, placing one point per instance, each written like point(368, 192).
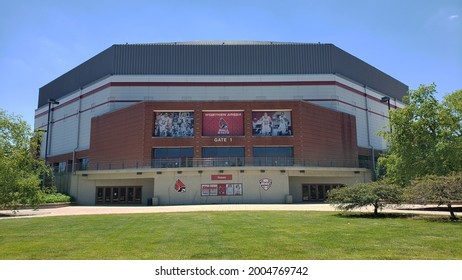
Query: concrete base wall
point(296, 182)
point(83, 189)
point(252, 191)
point(255, 185)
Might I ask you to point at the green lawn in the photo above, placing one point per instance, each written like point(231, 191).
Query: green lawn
point(228, 235)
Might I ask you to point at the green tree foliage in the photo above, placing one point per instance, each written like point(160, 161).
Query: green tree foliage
point(20, 167)
point(426, 137)
point(376, 194)
point(440, 190)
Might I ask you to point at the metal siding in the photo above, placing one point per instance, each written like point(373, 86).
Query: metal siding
point(359, 71)
point(225, 59)
point(93, 69)
point(222, 59)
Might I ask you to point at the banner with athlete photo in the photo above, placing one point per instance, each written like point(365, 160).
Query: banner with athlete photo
point(223, 124)
point(271, 123)
point(173, 124)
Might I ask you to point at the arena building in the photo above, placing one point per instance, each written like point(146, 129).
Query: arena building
point(215, 122)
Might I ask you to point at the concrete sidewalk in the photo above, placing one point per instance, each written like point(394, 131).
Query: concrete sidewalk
point(96, 210)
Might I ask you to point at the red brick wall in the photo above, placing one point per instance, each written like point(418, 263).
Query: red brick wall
point(326, 135)
point(318, 133)
point(119, 135)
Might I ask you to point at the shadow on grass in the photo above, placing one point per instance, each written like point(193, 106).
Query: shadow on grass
point(444, 219)
point(379, 215)
point(431, 218)
point(13, 214)
point(8, 215)
point(438, 208)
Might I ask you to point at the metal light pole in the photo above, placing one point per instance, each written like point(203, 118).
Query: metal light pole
point(387, 100)
point(50, 101)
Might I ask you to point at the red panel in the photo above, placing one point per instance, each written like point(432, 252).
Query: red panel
point(222, 177)
point(221, 189)
point(223, 124)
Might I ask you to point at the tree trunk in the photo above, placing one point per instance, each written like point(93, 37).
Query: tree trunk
point(376, 210)
point(453, 215)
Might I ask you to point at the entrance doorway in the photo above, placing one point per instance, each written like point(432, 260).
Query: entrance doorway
point(118, 195)
point(317, 192)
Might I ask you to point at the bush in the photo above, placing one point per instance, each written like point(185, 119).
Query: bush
point(376, 194)
point(440, 190)
point(56, 198)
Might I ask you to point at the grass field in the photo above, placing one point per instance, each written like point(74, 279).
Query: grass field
point(228, 235)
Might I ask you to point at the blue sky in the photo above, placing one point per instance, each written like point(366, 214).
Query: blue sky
point(416, 42)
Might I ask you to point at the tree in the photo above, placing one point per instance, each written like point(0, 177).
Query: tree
point(426, 137)
point(376, 194)
point(20, 168)
point(440, 190)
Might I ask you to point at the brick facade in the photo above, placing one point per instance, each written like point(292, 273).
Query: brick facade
point(318, 133)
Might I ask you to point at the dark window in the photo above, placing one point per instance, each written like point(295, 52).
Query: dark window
point(115, 195)
point(107, 195)
point(223, 152)
point(173, 152)
point(273, 156)
point(122, 195)
point(172, 157)
point(83, 163)
point(130, 195)
point(224, 156)
point(99, 195)
point(364, 161)
point(138, 195)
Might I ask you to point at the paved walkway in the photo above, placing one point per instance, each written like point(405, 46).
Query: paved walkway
point(95, 210)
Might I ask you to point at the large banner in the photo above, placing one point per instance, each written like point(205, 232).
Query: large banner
point(173, 124)
point(223, 123)
point(271, 123)
point(221, 189)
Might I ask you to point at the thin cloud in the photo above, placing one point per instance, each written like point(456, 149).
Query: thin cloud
point(453, 17)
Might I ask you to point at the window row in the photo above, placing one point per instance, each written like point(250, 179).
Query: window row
point(223, 123)
point(221, 156)
point(318, 191)
point(222, 152)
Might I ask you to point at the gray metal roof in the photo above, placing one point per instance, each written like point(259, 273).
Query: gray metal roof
point(222, 58)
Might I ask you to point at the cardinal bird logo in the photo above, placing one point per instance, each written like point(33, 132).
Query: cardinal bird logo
point(180, 186)
point(223, 127)
point(223, 123)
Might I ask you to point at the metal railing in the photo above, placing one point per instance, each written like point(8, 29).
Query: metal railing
point(186, 162)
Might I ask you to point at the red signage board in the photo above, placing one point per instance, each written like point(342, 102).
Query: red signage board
point(222, 177)
point(223, 123)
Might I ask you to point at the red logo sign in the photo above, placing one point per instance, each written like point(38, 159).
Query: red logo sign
point(180, 186)
point(222, 177)
point(223, 124)
point(266, 183)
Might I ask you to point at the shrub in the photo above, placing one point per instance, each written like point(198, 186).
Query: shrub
point(376, 194)
point(56, 198)
point(438, 190)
